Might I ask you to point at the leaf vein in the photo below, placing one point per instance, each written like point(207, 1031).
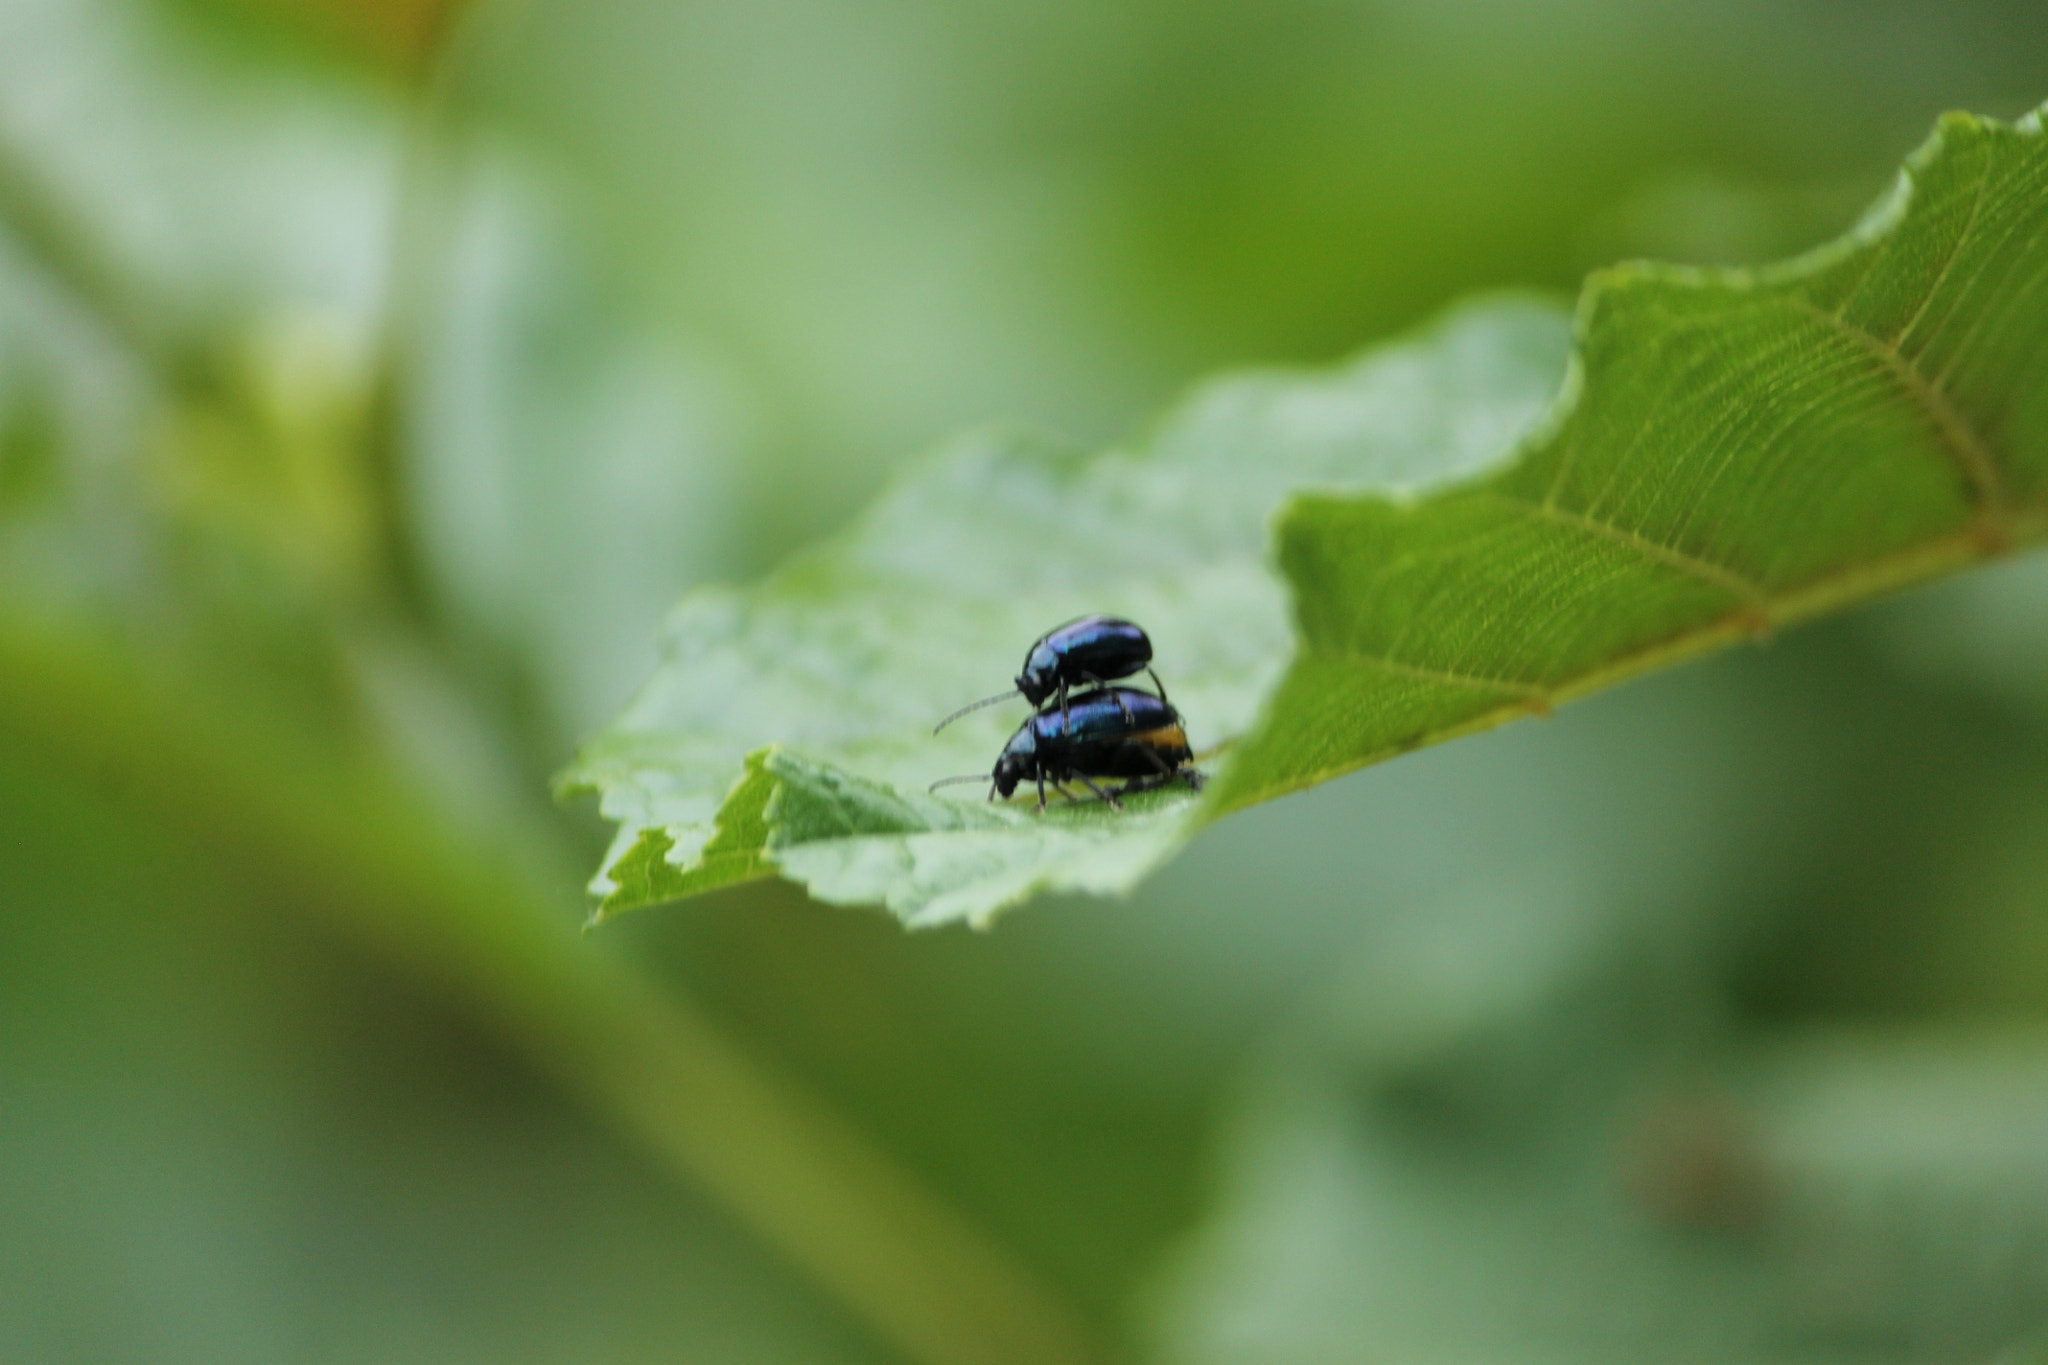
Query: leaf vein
point(1706, 570)
point(1959, 440)
point(1955, 254)
point(1451, 677)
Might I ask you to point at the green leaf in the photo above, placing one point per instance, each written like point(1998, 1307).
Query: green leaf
point(846, 657)
point(1731, 452)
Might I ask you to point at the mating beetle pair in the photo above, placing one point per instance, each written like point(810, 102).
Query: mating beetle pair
point(1104, 732)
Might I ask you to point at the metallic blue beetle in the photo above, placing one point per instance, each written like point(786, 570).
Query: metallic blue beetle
point(1092, 650)
point(1110, 732)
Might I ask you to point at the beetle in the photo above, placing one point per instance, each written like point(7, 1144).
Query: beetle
point(1090, 649)
point(1109, 732)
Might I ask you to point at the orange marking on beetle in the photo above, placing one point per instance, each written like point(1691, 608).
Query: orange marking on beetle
point(1165, 737)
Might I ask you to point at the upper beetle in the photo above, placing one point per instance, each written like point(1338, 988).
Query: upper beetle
point(1090, 651)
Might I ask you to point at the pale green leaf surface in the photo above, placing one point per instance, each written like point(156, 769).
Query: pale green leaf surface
point(1732, 451)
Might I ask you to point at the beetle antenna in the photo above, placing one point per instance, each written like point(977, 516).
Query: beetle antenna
point(985, 701)
point(955, 781)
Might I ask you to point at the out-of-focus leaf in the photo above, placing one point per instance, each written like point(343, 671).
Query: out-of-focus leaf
point(1570, 1176)
point(1989, 631)
point(192, 273)
point(187, 190)
point(1733, 452)
point(572, 461)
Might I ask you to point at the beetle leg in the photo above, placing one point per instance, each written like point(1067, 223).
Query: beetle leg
point(1156, 683)
point(1121, 704)
point(1164, 775)
point(1041, 789)
point(1065, 716)
point(1110, 797)
point(1124, 707)
point(1154, 758)
point(1061, 788)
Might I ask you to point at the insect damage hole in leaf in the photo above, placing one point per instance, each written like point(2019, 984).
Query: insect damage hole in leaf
point(1732, 451)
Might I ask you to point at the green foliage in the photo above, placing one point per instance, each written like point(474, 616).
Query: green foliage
point(1491, 1188)
point(1733, 451)
point(355, 439)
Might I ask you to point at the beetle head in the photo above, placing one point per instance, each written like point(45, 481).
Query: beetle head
point(1017, 762)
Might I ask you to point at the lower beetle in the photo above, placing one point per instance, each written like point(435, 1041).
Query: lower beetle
point(1110, 732)
point(1092, 649)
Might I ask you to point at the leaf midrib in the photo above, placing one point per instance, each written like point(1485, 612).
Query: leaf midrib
point(1915, 564)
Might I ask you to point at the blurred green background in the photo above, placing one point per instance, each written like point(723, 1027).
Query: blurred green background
point(374, 375)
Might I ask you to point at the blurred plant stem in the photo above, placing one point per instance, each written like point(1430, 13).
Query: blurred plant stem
point(314, 820)
point(333, 834)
